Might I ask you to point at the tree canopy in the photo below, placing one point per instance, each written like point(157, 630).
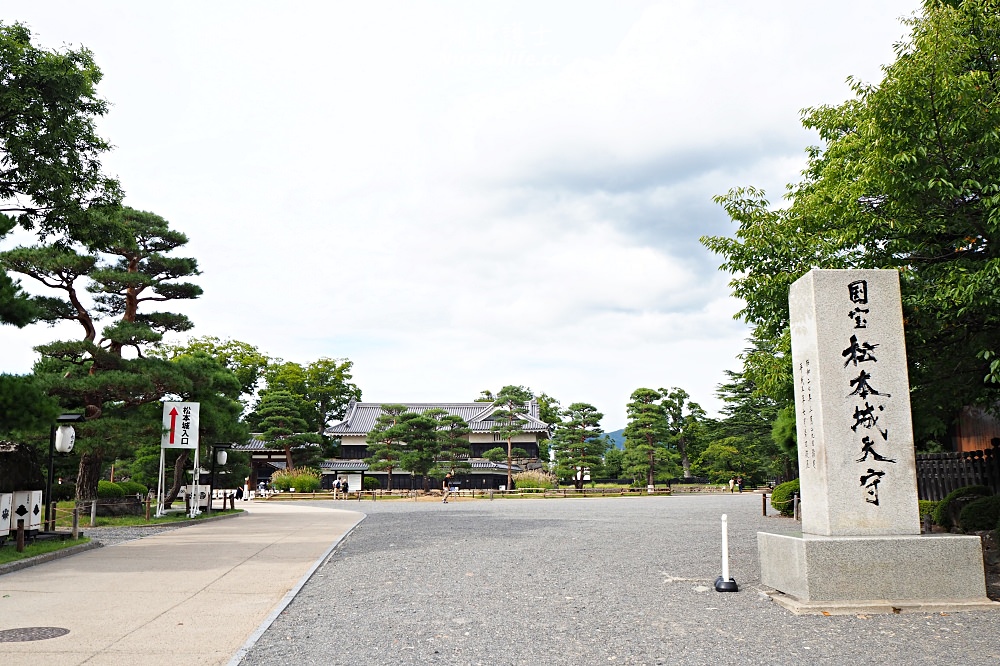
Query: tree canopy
point(907, 177)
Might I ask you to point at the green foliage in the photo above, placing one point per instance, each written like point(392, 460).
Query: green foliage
point(48, 144)
point(646, 434)
point(511, 402)
point(906, 178)
point(133, 488)
point(323, 386)
point(244, 360)
point(614, 461)
point(24, 405)
point(107, 490)
point(578, 442)
point(980, 515)
point(281, 422)
point(927, 508)
point(781, 498)
point(385, 440)
point(535, 479)
point(783, 430)
point(62, 492)
point(370, 483)
point(944, 513)
point(303, 479)
point(496, 454)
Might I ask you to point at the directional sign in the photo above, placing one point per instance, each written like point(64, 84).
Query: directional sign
point(180, 425)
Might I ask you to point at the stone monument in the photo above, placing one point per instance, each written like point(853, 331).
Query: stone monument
point(860, 548)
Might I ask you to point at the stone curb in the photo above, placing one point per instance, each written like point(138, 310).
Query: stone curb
point(10, 567)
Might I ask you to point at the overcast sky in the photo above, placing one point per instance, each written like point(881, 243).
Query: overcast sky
point(462, 195)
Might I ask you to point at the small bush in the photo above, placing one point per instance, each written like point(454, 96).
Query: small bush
point(370, 483)
point(535, 479)
point(303, 479)
point(980, 515)
point(64, 492)
point(781, 498)
point(108, 490)
point(133, 488)
point(943, 513)
point(927, 507)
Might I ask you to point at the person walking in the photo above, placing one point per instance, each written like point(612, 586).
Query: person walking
point(336, 488)
point(343, 488)
point(732, 483)
point(739, 483)
point(446, 487)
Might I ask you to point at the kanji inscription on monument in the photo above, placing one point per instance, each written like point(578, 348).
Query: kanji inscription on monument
point(856, 456)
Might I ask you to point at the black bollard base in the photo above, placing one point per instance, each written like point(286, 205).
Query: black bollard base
point(726, 585)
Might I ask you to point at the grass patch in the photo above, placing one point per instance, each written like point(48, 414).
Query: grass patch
point(64, 517)
point(8, 553)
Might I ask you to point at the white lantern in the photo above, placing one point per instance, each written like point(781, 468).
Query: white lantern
point(65, 438)
point(221, 456)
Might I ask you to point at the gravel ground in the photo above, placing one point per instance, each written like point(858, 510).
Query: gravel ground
point(580, 581)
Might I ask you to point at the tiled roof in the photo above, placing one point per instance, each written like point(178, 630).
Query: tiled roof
point(361, 416)
point(257, 444)
point(344, 465)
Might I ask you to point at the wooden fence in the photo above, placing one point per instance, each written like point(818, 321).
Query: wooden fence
point(940, 473)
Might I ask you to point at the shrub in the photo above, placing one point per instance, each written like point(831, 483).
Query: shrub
point(303, 479)
point(63, 492)
point(944, 515)
point(370, 483)
point(107, 490)
point(980, 515)
point(927, 507)
point(133, 488)
point(781, 498)
point(535, 478)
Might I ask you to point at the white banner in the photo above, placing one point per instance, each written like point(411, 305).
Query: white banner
point(180, 425)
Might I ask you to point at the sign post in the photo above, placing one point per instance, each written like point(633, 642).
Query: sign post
point(180, 431)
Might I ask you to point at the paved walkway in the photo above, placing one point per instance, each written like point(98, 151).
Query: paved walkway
point(194, 595)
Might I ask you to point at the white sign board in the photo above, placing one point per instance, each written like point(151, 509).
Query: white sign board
point(180, 425)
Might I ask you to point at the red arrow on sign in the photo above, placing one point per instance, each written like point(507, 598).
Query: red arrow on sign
point(173, 423)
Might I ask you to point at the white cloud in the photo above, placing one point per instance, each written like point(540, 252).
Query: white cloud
point(459, 196)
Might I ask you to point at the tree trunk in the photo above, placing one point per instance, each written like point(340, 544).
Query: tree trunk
point(178, 478)
point(685, 463)
point(288, 457)
point(652, 465)
point(509, 445)
point(88, 474)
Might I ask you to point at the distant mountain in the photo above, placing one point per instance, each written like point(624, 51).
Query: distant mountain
point(618, 437)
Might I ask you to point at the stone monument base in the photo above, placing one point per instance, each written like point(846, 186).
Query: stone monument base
point(873, 574)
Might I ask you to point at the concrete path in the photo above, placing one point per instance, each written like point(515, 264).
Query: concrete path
point(194, 595)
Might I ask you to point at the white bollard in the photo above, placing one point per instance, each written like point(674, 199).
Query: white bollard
point(724, 583)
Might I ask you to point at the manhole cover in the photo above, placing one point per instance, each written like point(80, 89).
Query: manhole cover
point(31, 634)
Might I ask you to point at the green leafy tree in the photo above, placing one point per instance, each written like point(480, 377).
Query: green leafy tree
point(386, 440)
point(549, 410)
point(422, 445)
point(244, 360)
point(453, 442)
point(578, 442)
point(49, 149)
point(646, 434)
point(325, 384)
point(123, 275)
point(685, 421)
point(512, 403)
point(614, 463)
point(748, 418)
point(281, 422)
point(496, 454)
point(905, 178)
